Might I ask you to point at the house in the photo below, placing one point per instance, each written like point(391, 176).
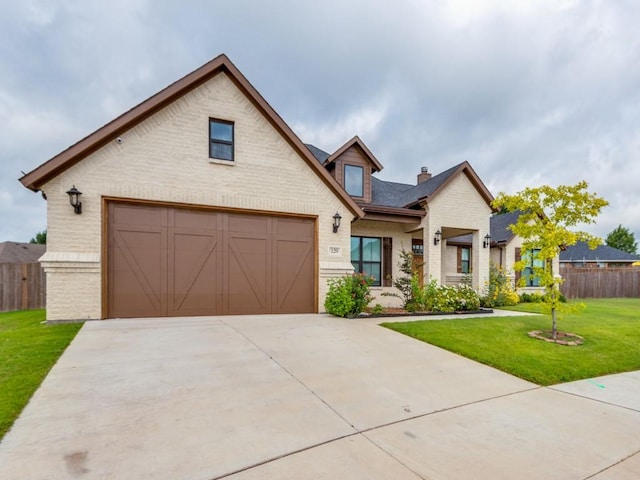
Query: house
point(18, 252)
point(603, 256)
point(201, 200)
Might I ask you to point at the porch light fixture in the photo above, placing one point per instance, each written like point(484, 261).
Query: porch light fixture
point(336, 222)
point(487, 241)
point(436, 239)
point(74, 199)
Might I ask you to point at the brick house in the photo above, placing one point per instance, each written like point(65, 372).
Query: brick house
point(201, 201)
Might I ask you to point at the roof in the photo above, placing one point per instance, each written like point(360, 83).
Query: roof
point(17, 252)
point(355, 142)
point(603, 253)
point(109, 132)
point(499, 226)
point(404, 195)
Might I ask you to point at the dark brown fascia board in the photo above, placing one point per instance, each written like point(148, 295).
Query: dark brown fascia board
point(383, 213)
point(465, 168)
point(69, 157)
point(358, 142)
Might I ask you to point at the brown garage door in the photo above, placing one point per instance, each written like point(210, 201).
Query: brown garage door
point(165, 261)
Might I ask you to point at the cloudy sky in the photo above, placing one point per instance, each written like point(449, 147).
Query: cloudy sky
point(529, 92)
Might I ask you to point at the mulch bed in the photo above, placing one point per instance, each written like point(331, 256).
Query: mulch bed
point(562, 338)
point(399, 312)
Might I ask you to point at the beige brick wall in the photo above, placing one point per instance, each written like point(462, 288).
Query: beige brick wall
point(458, 206)
point(166, 158)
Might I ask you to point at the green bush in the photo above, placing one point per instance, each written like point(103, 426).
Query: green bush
point(349, 295)
point(442, 298)
point(531, 298)
point(499, 291)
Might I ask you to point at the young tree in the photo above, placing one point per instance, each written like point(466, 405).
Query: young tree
point(547, 215)
point(40, 238)
point(622, 239)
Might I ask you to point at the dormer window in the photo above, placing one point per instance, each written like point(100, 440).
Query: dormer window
point(354, 180)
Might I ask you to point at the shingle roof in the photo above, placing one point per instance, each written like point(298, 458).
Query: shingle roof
point(603, 253)
point(388, 193)
point(499, 226)
point(321, 155)
point(17, 252)
point(426, 189)
point(404, 195)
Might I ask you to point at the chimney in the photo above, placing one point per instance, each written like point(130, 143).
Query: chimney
point(424, 175)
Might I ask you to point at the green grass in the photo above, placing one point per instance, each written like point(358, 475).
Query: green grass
point(28, 350)
point(610, 327)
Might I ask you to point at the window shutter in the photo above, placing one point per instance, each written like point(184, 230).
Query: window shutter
point(517, 259)
point(459, 260)
point(387, 261)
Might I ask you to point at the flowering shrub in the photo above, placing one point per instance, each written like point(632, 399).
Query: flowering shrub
point(442, 298)
point(499, 291)
point(349, 295)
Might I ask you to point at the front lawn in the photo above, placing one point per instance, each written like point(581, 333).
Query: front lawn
point(28, 350)
point(610, 327)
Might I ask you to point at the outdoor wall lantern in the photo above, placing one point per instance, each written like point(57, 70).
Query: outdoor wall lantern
point(487, 241)
point(74, 199)
point(336, 222)
point(436, 239)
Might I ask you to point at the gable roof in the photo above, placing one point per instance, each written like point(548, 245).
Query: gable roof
point(602, 253)
point(18, 252)
point(221, 64)
point(355, 142)
point(403, 195)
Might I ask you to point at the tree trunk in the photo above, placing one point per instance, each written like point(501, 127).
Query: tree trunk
point(553, 299)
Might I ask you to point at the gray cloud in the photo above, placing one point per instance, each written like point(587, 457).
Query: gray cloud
point(528, 92)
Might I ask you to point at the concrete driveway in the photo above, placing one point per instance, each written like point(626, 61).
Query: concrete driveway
point(308, 396)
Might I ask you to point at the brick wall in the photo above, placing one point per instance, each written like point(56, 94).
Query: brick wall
point(166, 158)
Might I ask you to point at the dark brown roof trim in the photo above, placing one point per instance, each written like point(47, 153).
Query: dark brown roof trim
point(69, 157)
point(393, 210)
point(358, 142)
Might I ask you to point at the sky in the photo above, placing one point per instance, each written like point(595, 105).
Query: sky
point(528, 92)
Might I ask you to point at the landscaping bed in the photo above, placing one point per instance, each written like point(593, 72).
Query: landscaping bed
point(400, 312)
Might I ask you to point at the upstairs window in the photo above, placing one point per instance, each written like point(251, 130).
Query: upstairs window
point(220, 140)
point(354, 180)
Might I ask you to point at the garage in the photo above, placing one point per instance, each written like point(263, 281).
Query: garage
point(166, 261)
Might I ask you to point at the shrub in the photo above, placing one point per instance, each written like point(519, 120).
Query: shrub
point(349, 295)
point(442, 298)
point(531, 298)
point(499, 291)
point(405, 283)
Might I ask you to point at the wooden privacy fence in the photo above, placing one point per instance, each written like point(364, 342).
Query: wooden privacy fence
point(600, 282)
point(22, 286)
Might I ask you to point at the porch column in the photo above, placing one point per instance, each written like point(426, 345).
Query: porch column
point(432, 255)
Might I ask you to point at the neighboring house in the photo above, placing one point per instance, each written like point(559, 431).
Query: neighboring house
point(202, 201)
point(17, 252)
point(603, 256)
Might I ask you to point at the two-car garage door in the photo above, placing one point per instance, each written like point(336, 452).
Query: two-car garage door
point(166, 261)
